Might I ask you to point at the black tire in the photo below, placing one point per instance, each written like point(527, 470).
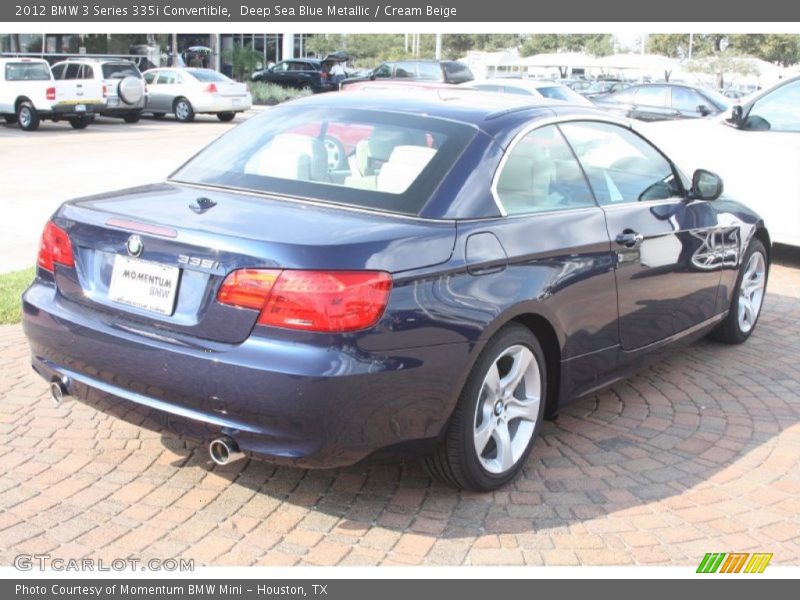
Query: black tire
point(132, 117)
point(730, 330)
point(183, 110)
point(79, 122)
point(226, 116)
point(10, 119)
point(159, 115)
point(27, 117)
point(456, 459)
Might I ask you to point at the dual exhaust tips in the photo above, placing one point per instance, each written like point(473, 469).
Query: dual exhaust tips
point(222, 450)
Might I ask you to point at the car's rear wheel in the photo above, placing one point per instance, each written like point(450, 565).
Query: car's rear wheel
point(184, 111)
point(498, 415)
point(79, 122)
point(132, 117)
point(28, 117)
point(226, 116)
point(748, 296)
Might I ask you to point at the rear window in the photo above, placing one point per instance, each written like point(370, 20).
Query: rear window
point(23, 71)
point(370, 159)
point(119, 71)
point(206, 75)
point(457, 72)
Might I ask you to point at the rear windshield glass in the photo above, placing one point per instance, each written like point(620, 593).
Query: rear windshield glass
point(22, 71)
point(206, 75)
point(111, 71)
point(373, 159)
point(458, 72)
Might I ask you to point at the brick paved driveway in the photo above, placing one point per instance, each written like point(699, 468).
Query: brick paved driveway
point(699, 453)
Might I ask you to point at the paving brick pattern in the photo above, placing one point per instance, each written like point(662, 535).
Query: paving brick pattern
point(698, 453)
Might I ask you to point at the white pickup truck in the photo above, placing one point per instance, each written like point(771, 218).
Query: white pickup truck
point(29, 94)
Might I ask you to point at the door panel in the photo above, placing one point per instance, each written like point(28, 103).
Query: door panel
point(666, 275)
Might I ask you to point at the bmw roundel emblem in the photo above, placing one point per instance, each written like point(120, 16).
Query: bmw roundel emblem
point(134, 245)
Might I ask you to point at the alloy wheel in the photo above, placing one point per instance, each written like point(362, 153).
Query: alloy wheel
point(507, 410)
point(751, 291)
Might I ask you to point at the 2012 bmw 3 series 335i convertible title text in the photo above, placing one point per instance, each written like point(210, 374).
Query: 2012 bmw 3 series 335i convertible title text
point(428, 273)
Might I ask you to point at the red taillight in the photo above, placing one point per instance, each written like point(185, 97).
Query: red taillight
point(326, 301)
point(55, 248)
point(51, 93)
point(211, 88)
point(105, 91)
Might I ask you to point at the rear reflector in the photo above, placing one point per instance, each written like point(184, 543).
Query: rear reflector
point(51, 93)
point(55, 248)
point(324, 301)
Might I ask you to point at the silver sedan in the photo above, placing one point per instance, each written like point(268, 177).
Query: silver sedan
point(188, 91)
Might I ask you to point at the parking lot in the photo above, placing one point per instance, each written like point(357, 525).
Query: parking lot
point(698, 453)
point(40, 169)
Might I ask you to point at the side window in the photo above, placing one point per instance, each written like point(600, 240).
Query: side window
point(487, 87)
point(281, 67)
point(652, 95)
point(72, 72)
point(405, 70)
point(429, 71)
point(165, 78)
point(88, 72)
point(777, 111)
point(58, 71)
point(541, 174)
point(383, 70)
point(621, 166)
point(687, 100)
point(510, 89)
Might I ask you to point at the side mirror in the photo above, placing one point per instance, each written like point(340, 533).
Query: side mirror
point(706, 185)
point(703, 110)
point(736, 115)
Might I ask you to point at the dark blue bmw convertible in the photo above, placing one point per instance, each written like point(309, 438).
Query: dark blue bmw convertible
point(430, 273)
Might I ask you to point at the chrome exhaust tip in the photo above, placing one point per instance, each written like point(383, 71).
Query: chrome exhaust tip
point(224, 450)
point(58, 390)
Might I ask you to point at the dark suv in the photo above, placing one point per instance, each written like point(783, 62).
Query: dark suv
point(442, 71)
point(313, 74)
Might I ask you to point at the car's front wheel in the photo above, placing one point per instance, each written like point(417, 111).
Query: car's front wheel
point(748, 296)
point(498, 415)
point(184, 111)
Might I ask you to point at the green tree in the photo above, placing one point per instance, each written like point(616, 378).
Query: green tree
point(243, 60)
point(779, 48)
point(597, 44)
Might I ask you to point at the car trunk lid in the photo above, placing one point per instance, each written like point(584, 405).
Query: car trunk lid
point(192, 237)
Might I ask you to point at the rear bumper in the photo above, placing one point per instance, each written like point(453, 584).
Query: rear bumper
point(301, 404)
point(218, 104)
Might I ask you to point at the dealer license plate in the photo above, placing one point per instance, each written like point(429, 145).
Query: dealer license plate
point(144, 284)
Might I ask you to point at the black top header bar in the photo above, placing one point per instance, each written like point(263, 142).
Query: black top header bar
point(392, 11)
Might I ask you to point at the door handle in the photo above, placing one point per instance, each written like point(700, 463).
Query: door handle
point(630, 239)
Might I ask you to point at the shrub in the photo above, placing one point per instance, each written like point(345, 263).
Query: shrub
point(271, 93)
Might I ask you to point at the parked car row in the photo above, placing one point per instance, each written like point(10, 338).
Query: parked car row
point(76, 90)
